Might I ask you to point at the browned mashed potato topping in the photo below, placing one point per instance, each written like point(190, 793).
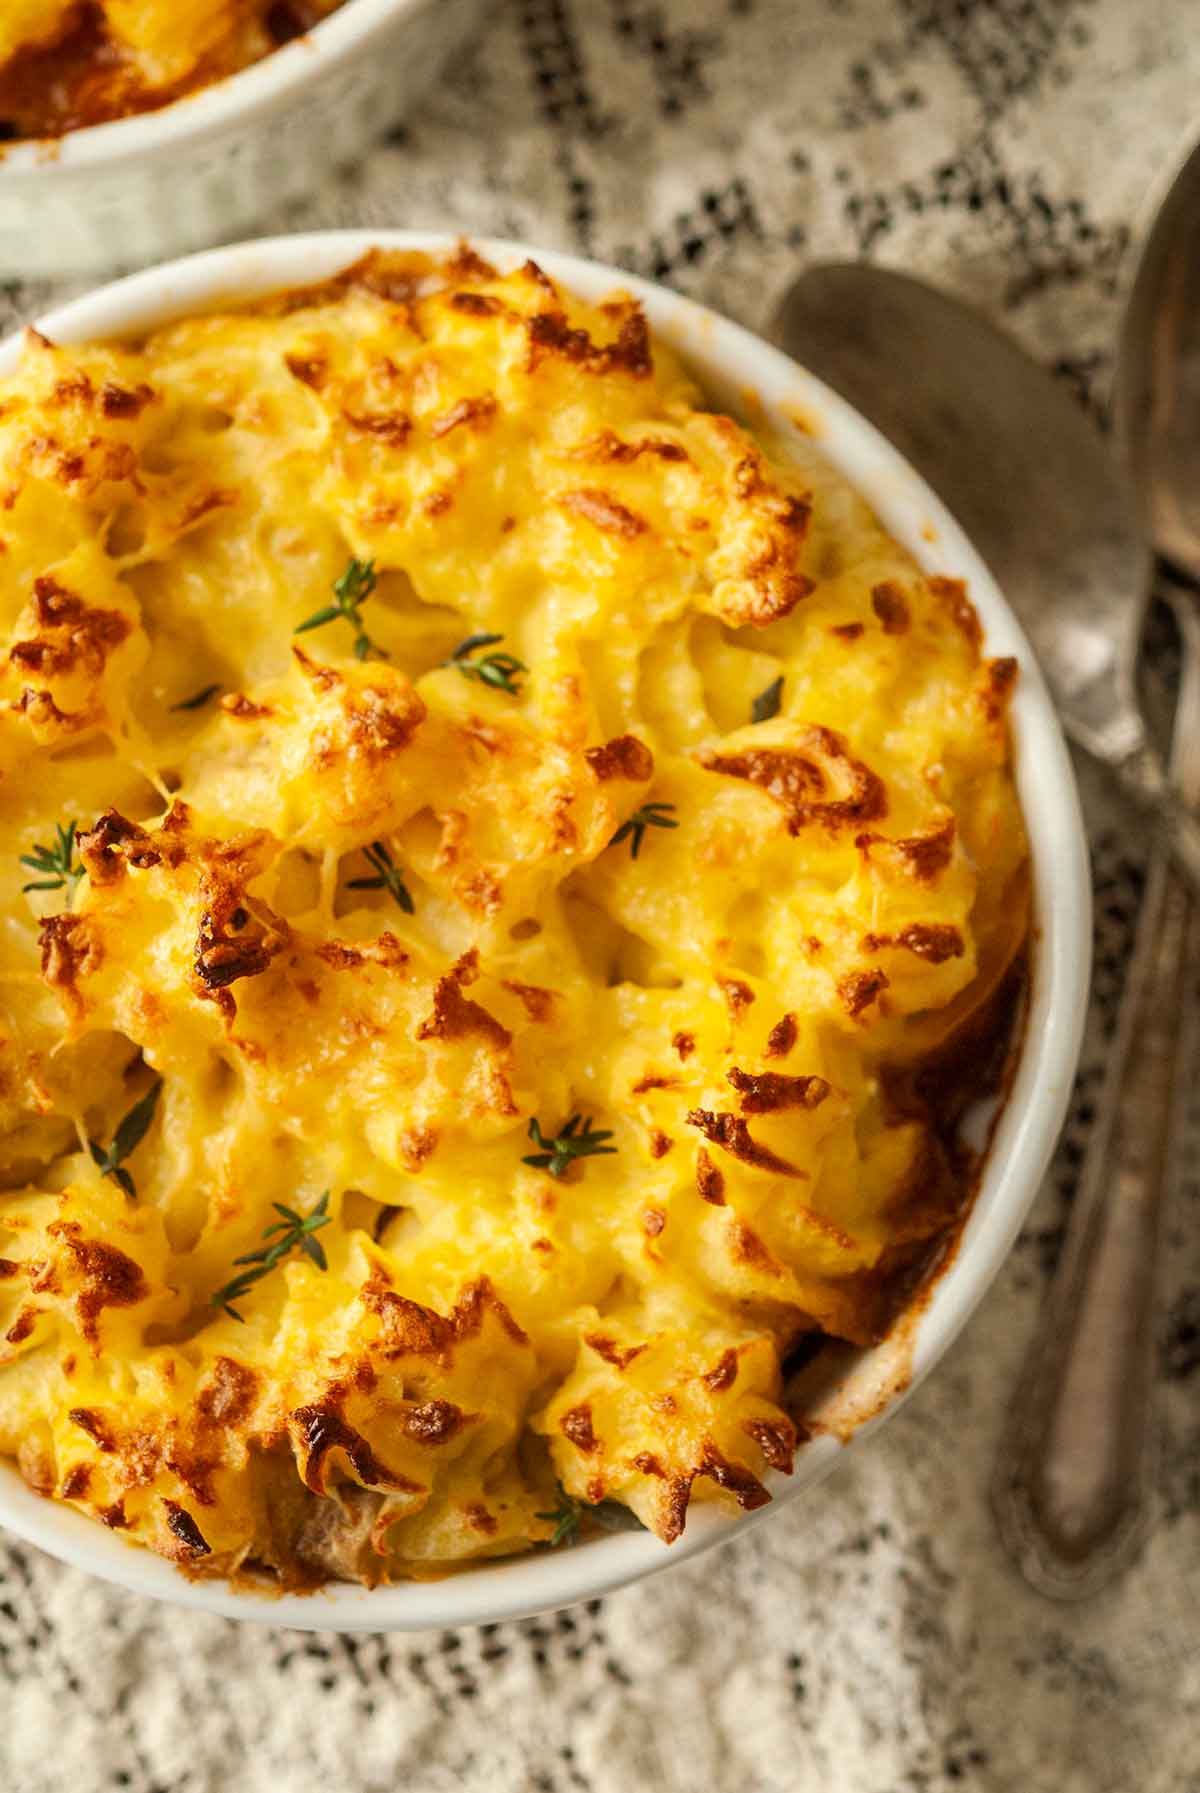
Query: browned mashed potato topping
point(496, 862)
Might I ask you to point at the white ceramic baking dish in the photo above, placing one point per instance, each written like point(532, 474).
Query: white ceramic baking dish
point(735, 368)
point(205, 168)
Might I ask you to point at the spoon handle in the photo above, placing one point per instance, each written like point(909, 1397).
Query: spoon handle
point(1072, 1488)
point(1144, 778)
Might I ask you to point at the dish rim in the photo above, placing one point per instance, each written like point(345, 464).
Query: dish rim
point(261, 87)
point(730, 362)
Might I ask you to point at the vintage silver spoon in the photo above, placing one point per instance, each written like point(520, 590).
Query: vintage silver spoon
point(1027, 476)
point(1110, 1377)
point(1074, 1484)
point(1029, 479)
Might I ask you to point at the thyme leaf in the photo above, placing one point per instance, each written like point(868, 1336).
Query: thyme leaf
point(56, 864)
point(197, 700)
point(128, 1136)
point(650, 815)
point(351, 590)
point(565, 1519)
point(389, 876)
point(559, 1153)
point(469, 646)
point(497, 670)
point(295, 1232)
point(766, 704)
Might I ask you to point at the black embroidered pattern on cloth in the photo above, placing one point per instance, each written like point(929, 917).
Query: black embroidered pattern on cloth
point(871, 1638)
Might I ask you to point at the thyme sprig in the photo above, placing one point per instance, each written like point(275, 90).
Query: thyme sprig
point(128, 1136)
point(650, 815)
point(767, 703)
point(497, 670)
point(559, 1153)
point(565, 1519)
point(389, 876)
point(351, 589)
point(295, 1230)
point(197, 700)
point(56, 865)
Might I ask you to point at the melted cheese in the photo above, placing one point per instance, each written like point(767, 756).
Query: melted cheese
point(736, 1003)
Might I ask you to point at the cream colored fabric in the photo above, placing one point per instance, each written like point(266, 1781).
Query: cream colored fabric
point(870, 1639)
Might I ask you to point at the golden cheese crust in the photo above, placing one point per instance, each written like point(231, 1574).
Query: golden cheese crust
point(533, 842)
point(65, 64)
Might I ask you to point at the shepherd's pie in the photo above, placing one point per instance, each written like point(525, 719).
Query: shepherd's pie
point(496, 863)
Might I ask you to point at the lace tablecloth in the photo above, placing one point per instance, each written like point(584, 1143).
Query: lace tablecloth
point(871, 1639)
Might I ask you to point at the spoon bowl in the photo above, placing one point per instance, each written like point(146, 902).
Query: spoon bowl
point(1157, 387)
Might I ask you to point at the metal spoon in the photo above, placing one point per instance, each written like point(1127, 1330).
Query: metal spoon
point(1073, 1485)
point(1026, 475)
point(1097, 1424)
point(1074, 1489)
point(1028, 478)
